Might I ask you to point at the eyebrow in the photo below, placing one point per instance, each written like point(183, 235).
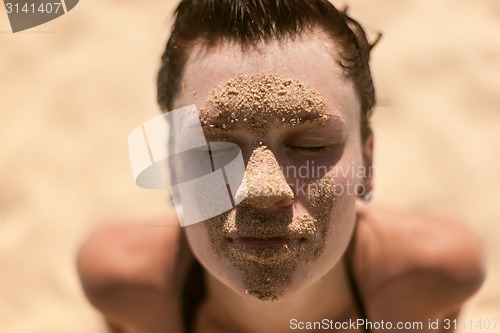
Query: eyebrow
point(323, 117)
point(315, 116)
point(215, 123)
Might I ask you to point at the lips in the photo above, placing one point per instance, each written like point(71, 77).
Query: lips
point(257, 236)
point(247, 230)
point(265, 250)
point(266, 236)
point(256, 241)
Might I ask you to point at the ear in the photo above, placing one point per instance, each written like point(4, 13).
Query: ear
point(367, 154)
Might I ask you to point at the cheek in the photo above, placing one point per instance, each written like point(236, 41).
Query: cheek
point(343, 214)
point(331, 200)
point(330, 190)
point(340, 214)
point(199, 243)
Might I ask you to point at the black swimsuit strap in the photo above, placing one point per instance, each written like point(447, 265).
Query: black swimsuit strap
point(358, 300)
point(193, 294)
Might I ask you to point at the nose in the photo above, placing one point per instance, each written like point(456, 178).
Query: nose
point(264, 186)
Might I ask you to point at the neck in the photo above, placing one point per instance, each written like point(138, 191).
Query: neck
point(327, 298)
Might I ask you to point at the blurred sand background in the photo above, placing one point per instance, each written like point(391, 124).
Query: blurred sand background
point(71, 91)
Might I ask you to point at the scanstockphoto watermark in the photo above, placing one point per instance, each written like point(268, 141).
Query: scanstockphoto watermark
point(348, 180)
point(356, 324)
point(311, 169)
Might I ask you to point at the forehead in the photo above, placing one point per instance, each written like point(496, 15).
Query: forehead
point(311, 59)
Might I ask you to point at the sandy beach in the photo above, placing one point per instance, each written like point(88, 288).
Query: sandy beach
point(72, 90)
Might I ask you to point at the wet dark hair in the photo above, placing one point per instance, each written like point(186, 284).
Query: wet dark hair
point(250, 22)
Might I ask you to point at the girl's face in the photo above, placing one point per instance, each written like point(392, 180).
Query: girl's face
point(295, 117)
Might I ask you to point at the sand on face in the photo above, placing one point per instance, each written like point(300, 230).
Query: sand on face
point(72, 91)
point(257, 104)
point(267, 271)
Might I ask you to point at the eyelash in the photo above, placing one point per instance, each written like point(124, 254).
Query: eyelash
point(309, 149)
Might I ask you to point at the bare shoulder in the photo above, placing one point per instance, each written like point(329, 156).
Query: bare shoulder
point(140, 252)
point(432, 262)
point(131, 270)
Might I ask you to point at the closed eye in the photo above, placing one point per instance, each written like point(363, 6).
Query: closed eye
point(314, 149)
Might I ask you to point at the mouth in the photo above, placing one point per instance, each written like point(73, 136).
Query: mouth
point(249, 236)
point(271, 241)
point(266, 250)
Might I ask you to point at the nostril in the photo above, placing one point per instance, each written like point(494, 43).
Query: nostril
point(266, 201)
point(285, 203)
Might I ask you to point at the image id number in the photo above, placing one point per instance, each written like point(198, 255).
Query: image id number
point(32, 8)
